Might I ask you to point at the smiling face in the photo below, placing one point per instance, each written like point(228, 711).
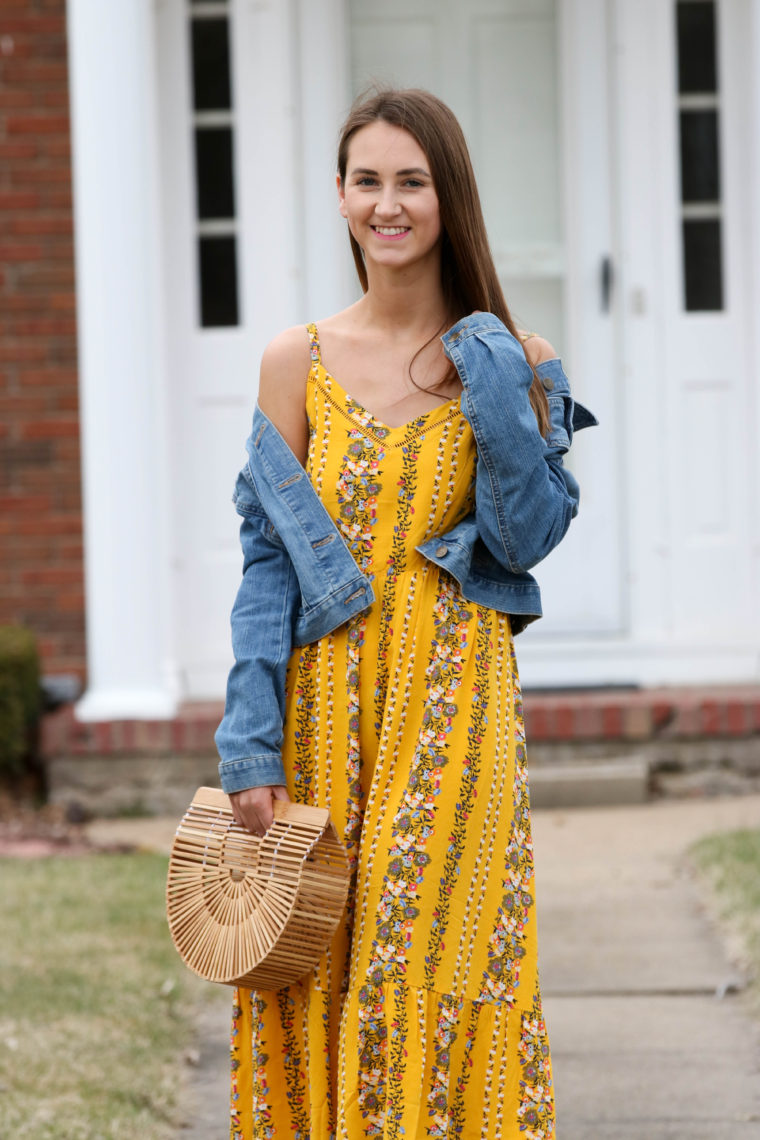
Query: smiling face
point(388, 198)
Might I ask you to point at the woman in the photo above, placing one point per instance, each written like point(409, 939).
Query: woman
point(400, 485)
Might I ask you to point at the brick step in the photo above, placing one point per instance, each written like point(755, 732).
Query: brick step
point(589, 715)
point(586, 748)
point(643, 714)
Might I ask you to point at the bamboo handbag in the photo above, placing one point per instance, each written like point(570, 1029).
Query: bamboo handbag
point(249, 911)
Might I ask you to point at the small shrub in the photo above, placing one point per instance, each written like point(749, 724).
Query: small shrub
point(19, 696)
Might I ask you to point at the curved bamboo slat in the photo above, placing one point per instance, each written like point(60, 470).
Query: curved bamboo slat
point(248, 911)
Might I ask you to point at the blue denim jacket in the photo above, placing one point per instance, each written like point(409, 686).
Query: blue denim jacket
point(300, 580)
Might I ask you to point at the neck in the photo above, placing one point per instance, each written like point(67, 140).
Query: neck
point(409, 302)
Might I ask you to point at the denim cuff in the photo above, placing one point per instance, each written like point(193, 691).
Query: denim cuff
point(252, 772)
point(552, 376)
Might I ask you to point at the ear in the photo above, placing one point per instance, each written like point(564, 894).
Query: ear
point(341, 196)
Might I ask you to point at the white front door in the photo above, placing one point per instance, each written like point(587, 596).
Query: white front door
point(683, 87)
point(699, 436)
point(528, 80)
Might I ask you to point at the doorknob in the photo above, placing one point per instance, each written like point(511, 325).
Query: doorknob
point(606, 281)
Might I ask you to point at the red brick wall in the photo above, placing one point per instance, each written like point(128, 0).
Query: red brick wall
point(41, 579)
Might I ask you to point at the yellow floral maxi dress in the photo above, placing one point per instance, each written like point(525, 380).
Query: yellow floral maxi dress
point(423, 1019)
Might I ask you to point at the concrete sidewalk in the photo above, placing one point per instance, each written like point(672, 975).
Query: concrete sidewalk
point(631, 966)
point(642, 1046)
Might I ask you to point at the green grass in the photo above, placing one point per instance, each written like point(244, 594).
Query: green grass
point(95, 1004)
point(731, 865)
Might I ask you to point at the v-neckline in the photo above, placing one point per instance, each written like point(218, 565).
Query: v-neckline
point(407, 428)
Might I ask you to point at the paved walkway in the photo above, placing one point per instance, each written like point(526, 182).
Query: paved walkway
point(643, 1047)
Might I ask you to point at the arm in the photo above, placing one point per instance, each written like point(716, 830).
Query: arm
point(282, 387)
point(249, 738)
point(536, 348)
point(525, 498)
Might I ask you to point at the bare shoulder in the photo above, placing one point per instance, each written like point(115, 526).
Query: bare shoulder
point(286, 359)
point(282, 386)
point(537, 348)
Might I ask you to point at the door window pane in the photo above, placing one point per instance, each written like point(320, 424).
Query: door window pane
point(213, 172)
point(697, 69)
point(700, 172)
point(213, 125)
point(702, 264)
point(219, 299)
point(699, 144)
point(211, 64)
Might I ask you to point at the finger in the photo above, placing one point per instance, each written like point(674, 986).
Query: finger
point(250, 822)
point(259, 816)
point(263, 819)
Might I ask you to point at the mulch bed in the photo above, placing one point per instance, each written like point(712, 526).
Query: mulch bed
point(30, 830)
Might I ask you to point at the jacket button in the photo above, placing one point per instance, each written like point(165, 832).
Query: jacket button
point(441, 551)
point(548, 383)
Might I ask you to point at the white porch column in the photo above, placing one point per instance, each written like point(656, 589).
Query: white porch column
point(121, 359)
point(324, 35)
point(754, 284)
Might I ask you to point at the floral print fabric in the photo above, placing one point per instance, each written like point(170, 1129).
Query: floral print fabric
point(423, 1019)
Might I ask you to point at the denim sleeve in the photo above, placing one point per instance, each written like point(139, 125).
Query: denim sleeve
point(524, 496)
point(249, 738)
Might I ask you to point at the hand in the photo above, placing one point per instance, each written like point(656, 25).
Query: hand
point(252, 808)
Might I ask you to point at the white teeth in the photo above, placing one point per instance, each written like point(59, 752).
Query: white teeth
point(390, 231)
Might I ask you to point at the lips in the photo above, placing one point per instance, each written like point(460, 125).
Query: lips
point(391, 231)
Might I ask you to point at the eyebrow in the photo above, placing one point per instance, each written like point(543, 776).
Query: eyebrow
point(408, 170)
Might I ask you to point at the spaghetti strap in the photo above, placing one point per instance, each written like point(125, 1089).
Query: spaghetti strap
point(316, 356)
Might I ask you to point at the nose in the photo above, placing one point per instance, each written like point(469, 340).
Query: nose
point(387, 205)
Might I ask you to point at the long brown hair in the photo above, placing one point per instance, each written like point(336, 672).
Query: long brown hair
point(468, 274)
